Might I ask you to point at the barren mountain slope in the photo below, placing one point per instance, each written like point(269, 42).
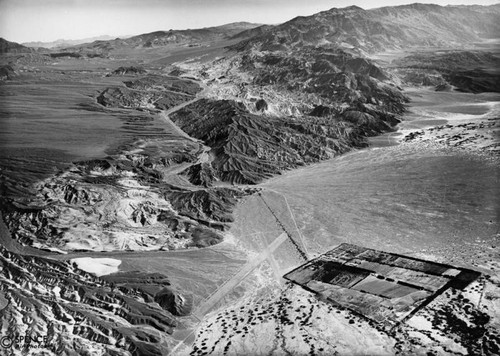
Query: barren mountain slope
point(384, 28)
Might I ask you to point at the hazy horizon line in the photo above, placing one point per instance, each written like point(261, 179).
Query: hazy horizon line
point(79, 20)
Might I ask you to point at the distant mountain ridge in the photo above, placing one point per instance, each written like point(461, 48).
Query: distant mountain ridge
point(352, 28)
point(383, 28)
point(189, 37)
point(373, 30)
point(67, 43)
point(161, 38)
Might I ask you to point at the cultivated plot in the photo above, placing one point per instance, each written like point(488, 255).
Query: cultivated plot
point(384, 287)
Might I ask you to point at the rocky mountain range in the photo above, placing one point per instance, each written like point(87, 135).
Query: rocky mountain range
point(383, 28)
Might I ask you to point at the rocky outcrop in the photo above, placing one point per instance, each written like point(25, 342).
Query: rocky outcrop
point(443, 87)
point(201, 174)
point(261, 105)
point(175, 303)
point(151, 92)
point(164, 83)
point(7, 72)
point(132, 70)
point(212, 206)
point(322, 111)
point(153, 287)
point(136, 99)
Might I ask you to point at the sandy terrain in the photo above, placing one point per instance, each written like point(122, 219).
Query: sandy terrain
point(443, 196)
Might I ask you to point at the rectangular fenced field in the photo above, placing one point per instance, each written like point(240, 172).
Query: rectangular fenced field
point(384, 287)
